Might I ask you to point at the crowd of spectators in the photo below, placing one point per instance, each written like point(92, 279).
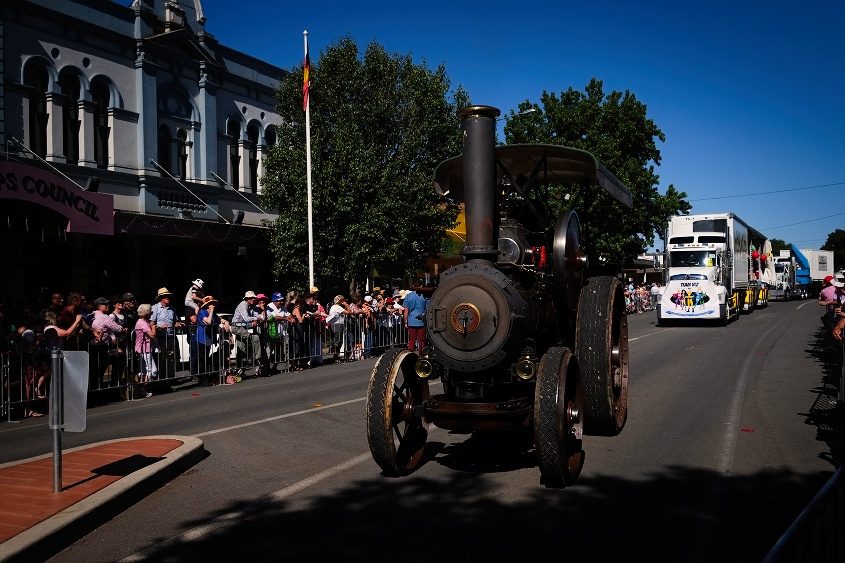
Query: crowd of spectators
point(114, 330)
point(641, 298)
point(832, 298)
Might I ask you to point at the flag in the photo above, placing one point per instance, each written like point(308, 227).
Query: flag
point(306, 70)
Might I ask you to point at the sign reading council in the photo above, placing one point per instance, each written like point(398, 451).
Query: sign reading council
point(87, 212)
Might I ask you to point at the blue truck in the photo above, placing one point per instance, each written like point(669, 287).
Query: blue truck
point(792, 275)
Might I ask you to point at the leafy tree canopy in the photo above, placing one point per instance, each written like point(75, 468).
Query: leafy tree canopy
point(614, 128)
point(380, 124)
point(778, 245)
point(836, 242)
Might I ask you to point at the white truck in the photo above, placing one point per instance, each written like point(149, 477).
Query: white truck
point(820, 263)
point(716, 267)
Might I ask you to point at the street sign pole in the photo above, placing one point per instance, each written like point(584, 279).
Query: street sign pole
point(57, 417)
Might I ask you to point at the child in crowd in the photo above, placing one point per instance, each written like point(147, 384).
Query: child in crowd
point(193, 298)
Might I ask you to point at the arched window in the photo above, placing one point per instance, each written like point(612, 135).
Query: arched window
point(252, 136)
point(174, 112)
point(270, 136)
point(35, 76)
point(182, 153)
point(233, 130)
point(100, 96)
point(164, 140)
point(69, 85)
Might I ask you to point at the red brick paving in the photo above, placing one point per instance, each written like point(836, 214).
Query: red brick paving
point(26, 489)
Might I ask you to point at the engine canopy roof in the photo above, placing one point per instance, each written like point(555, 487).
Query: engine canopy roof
point(540, 164)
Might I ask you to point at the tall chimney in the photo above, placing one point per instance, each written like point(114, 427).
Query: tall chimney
point(479, 162)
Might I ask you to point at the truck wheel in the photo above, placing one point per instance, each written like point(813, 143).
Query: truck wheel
point(396, 433)
point(601, 346)
point(558, 418)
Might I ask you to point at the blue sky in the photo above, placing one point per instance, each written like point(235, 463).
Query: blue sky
point(750, 94)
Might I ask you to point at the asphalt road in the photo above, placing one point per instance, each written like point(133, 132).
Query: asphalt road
point(726, 442)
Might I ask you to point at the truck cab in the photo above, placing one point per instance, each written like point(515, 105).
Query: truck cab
point(717, 267)
point(696, 270)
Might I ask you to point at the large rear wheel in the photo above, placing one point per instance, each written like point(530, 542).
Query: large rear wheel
point(601, 345)
point(396, 429)
point(558, 418)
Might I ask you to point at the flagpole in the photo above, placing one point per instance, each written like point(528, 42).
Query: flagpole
point(307, 103)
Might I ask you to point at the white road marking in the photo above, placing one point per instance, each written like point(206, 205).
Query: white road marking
point(649, 334)
point(732, 424)
point(226, 520)
point(279, 417)
point(236, 517)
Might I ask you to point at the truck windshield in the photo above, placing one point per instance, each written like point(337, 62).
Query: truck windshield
point(692, 259)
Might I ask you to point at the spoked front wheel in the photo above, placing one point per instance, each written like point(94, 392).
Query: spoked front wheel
point(396, 429)
point(558, 418)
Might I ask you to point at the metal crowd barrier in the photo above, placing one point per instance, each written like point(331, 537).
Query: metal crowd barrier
point(207, 355)
point(816, 535)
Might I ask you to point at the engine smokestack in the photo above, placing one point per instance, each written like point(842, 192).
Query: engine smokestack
point(479, 171)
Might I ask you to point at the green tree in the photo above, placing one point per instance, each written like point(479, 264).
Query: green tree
point(836, 242)
point(778, 245)
point(615, 128)
point(380, 124)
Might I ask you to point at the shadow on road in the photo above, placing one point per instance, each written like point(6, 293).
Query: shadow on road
point(671, 516)
point(467, 518)
point(826, 414)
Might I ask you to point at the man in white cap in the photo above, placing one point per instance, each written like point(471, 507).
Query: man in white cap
point(244, 321)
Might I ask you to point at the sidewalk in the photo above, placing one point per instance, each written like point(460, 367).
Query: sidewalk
point(98, 481)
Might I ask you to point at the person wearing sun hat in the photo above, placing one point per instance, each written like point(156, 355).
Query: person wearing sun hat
point(261, 301)
point(830, 297)
point(244, 322)
point(209, 326)
point(162, 313)
point(166, 322)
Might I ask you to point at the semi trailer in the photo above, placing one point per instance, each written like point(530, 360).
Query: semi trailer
point(716, 267)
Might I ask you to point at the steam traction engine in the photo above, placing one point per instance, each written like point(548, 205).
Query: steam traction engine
point(518, 334)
